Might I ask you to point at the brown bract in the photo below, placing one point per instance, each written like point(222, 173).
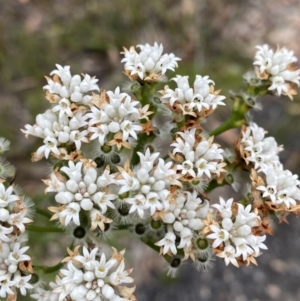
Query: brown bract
point(118, 142)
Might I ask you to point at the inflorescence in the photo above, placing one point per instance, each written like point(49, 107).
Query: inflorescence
point(109, 173)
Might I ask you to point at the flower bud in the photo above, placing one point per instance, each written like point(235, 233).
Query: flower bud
point(91, 295)
point(244, 230)
point(63, 137)
point(92, 188)
point(114, 127)
point(4, 215)
point(78, 292)
point(64, 197)
point(86, 204)
point(72, 186)
point(107, 291)
point(178, 226)
point(227, 223)
point(159, 185)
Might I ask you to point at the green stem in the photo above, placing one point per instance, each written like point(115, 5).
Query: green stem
point(43, 212)
point(144, 95)
point(234, 121)
point(150, 243)
point(39, 229)
point(143, 138)
point(123, 227)
point(48, 270)
point(214, 184)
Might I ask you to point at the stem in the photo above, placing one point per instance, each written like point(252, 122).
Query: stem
point(48, 270)
point(139, 147)
point(150, 243)
point(144, 95)
point(214, 184)
point(39, 229)
point(43, 212)
point(235, 120)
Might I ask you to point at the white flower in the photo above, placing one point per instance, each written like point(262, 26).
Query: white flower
point(71, 274)
point(99, 132)
point(128, 128)
point(185, 238)
point(153, 202)
point(22, 283)
point(78, 137)
point(103, 200)
point(120, 276)
point(73, 171)
point(63, 107)
point(4, 231)
point(63, 72)
point(6, 284)
point(88, 259)
point(225, 207)
point(6, 196)
point(139, 204)
point(219, 235)
point(242, 247)
point(168, 243)
point(19, 220)
point(17, 255)
point(229, 255)
point(4, 145)
point(102, 268)
point(128, 183)
point(71, 212)
point(49, 146)
point(256, 243)
point(147, 160)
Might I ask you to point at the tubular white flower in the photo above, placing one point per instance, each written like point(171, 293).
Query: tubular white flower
point(168, 243)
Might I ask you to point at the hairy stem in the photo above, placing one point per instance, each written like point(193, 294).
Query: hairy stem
point(43, 212)
point(52, 229)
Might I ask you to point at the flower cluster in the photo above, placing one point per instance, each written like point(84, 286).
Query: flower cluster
point(64, 125)
point(116, 114)
point(261, 151)
point(15, 267)
point(6, 169)
point(149, 64)
point(142, 161)
point(198, 160)
point(280, 188)
point(234, 233)
point(78, 117)
point(82, 190)
point(185, 218)
point(199, 100)
point(90, 277)
point(277, 68)
point(146, 188)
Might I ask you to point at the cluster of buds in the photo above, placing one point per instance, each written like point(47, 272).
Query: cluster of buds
point(109, 171)
point(15, 265)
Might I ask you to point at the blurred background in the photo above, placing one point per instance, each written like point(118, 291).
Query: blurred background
point(213, 37)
